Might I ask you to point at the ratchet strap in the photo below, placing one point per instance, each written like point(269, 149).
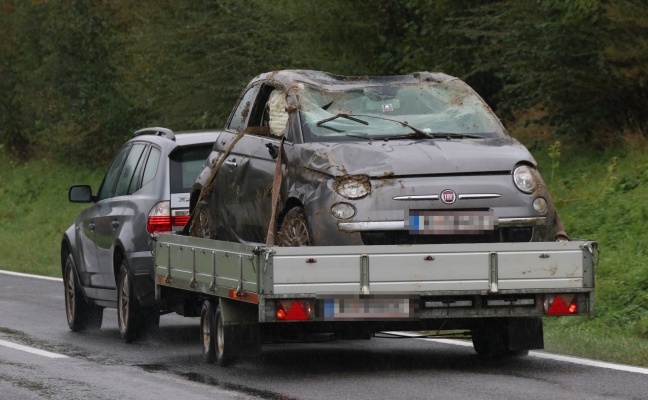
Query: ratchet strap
point(276, 188)
point(206, 189)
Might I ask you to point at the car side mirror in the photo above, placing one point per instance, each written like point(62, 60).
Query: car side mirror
point(80, 194)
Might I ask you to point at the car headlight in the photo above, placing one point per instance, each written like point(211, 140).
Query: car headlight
point(524, 178)
point(353, 187)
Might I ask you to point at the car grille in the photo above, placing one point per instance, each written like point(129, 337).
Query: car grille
point(508, 234)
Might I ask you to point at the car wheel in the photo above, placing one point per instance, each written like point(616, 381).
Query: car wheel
point(207, 337)
point(224, 340)
point(201, 224)
point(294, 229)
point(80, 314)
point(128, 309)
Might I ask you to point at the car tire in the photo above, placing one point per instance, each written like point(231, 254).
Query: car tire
point(207, 337)
point(80, 314)
point(129, 315)
point(201, 225)
point(294, 229)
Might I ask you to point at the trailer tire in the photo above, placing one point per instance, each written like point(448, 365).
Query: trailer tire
point(493, 340)
point(207, 327)
point(224, 342)
point(488, 342)
point(129, 313)
point(80, 314)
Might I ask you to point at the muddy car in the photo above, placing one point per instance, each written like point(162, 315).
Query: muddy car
point(310, 158)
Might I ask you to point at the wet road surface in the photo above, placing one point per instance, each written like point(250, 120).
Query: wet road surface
point(99, 365)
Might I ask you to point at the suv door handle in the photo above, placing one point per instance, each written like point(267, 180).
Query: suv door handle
point(231, 164)
point(115, 224)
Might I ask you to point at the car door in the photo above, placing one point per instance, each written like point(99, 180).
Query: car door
point(224, 198)
point(259, 148)
point(117, 211)
point(86, 231)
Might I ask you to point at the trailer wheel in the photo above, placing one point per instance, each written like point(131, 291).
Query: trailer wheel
point(488, 343)
point(224, 340)
point(80, 314)
point(128, 308)
point(492, 340)
point(207, 332)
point(294, 229)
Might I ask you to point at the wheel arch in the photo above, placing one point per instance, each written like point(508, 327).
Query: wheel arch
point(118, 257)
point(291, 203)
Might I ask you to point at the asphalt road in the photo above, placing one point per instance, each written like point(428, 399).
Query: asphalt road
point(99, 365)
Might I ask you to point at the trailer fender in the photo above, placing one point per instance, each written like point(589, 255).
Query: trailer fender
point(241, 324)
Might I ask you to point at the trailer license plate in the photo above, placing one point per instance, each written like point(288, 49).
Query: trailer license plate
point(449, 222)
point(353, 308)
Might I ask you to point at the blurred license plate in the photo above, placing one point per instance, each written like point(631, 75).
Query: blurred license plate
point(449, 222)
point(356, 308)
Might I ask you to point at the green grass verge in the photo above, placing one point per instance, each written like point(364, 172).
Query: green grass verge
point(604, 197)
point(600, 196)
point(34, 213)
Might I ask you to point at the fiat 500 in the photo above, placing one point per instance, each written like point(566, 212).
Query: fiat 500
point(402, 160)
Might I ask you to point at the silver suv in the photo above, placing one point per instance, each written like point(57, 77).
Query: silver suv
point(106, 255)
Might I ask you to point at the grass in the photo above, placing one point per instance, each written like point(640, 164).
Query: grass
point(604, 197)
point(34, 213)
point(600, 196)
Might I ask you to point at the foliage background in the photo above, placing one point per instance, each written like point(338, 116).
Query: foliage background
point(568, 78)
point(76, 76)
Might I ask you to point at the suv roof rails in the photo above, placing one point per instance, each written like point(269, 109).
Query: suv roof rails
point(156, 131)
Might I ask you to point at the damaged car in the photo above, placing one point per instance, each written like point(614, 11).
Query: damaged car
point(308, 158)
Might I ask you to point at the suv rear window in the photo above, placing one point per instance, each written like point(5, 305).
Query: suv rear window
point(186, 164)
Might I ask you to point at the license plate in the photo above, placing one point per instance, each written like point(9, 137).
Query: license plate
point(367, 308)
point(450, 222)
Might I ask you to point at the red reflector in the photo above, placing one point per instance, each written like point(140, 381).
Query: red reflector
point(296, 313)
point(180, 220)
point(158, 224)
point(559, 305)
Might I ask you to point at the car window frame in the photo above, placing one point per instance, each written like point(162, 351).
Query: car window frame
point(132, 174)
point(251, 91)
point(127, 147)
point(152, 147)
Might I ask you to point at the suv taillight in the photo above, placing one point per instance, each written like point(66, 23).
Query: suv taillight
point(159, 218)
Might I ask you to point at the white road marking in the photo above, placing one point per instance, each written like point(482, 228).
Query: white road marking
point(31, 350)
point(47, 278)
point(549, 356)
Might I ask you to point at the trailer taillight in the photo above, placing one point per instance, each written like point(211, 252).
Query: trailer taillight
point(293, 310)
point(561, 304)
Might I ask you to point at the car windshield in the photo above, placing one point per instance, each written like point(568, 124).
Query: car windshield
point(391, 111)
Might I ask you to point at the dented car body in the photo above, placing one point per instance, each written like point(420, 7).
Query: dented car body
point(412, 159)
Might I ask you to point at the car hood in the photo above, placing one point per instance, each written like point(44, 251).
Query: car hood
point(415, 157)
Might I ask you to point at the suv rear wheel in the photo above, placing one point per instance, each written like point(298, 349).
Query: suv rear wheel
point(80, 314)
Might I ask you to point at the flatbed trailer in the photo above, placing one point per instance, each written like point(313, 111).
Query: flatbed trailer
point(249, 294)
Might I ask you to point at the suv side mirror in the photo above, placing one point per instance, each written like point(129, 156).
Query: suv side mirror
point(80, 194)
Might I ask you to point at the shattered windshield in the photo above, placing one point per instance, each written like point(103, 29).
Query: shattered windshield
point(392, 111)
